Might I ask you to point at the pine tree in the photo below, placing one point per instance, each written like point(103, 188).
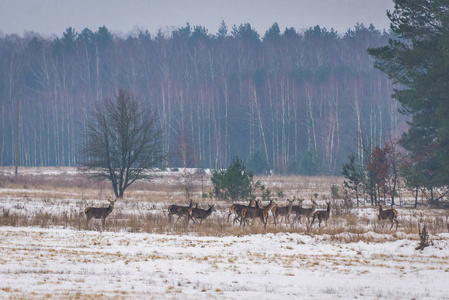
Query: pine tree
point(418, 61)
point(233, 183)
point(354, 176)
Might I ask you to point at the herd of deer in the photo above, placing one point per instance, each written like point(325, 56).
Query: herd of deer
point(245, 213)
point(253, 210)
point(191, 212)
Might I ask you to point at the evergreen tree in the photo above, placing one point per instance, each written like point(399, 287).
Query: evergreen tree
point(246, 33)
point(273, 33)
point(354, 175)
point(222, 30)
point(418, 61)
point(233, 183)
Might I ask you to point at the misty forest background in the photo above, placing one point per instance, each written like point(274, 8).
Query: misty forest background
point(301, 100)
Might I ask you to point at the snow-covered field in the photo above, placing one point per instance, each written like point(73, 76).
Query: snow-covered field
point(54, 256)
point(60, 263)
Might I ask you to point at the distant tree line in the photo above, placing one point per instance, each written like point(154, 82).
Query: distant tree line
point(297, 102)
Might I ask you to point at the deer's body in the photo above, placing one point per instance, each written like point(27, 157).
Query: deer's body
point(200, 214)
point(99, 212)
point(322, 215)
point(178, 210)
point(282, 211)
point(390, 214)
point(257, 213)
point(299, 211)
point(236, 209)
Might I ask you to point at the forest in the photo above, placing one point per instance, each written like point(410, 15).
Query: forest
point(301, 100)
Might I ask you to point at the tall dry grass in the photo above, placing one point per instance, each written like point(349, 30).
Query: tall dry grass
point(144, 208)
point(343, 226)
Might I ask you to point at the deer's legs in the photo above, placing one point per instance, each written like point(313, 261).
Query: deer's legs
point(88, 220)
point(229, 215)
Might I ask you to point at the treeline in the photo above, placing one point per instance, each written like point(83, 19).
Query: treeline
point(300, 100)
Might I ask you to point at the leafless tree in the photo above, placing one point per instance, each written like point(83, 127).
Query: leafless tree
point(123, 143)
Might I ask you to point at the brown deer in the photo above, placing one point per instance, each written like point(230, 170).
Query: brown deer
point(390, 214)
point(236, 209)
point(99, 213)
point(303, 212)
point(200, 214)
point(322, 215)
point(282, 211)
point(240, 210)
point(257, 213)
point(297, 208)
point(178, 210)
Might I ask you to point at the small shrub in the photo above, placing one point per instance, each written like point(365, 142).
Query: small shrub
point(334, 192)
point(424, 238)
point(5, 213)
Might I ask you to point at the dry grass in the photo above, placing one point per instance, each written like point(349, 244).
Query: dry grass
point(144, 209)
point(68, 183)
point(346, 227)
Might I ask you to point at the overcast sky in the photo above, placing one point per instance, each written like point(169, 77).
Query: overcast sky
point(54, 16)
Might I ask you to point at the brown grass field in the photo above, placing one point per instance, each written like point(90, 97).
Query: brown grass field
point(49, 197)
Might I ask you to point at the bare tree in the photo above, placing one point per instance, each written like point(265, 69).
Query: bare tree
point(185, 151)
point(122, 142)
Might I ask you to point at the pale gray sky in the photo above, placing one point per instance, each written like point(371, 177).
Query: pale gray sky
point(54, 16)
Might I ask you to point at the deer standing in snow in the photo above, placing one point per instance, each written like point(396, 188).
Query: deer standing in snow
point(199, 213)
point(99, 212)
point(178, 210)
point(390, 214)
point(303, 212)
point(322, 215)
point(257, 212)
point(282, 211)
point(237, 209)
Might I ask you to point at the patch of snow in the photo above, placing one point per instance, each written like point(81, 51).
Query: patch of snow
point(65, 263)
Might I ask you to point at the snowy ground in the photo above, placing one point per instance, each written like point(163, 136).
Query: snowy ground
point(60, 263)
point(56, 257)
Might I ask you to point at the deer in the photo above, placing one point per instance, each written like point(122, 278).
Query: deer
point(99, 213)
point(237, 209)
point(199, 213)
point(322, 215)
point(257, 212)
point(303, 212)
point(178, 210)
point(390, 214)
point(282, 211)
point(297, 208)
